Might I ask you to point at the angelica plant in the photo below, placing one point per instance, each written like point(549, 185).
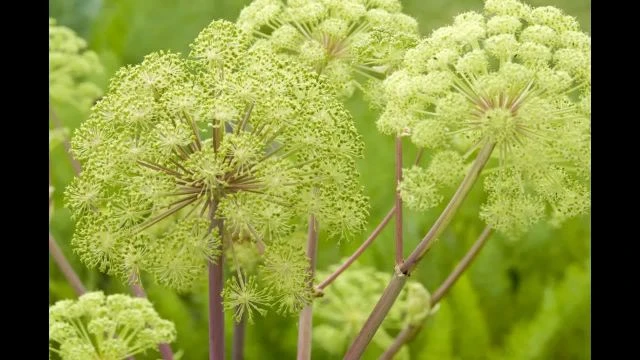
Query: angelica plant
point(186, 158)
point(235, 159)
point(343, 40)
point(101, 327)
point(516, 79)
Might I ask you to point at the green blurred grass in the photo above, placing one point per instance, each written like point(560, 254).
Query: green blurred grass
point(505, 287)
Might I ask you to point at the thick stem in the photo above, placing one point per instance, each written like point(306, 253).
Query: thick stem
point(359, 251)
point(409, 333)
point(452, 207)
point(391, 292)
point(165, 351)
point(239, 330)
point(67, 145)
point(306, 315)
point(65, 267)
point(138, 291)
point(398, 233)
point(378, 314)
point(216, 311)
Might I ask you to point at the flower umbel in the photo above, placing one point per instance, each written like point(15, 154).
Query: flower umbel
point(72, 68)
point(342, 39)
point(103, 327)
point(231, 134)
point(517, 77)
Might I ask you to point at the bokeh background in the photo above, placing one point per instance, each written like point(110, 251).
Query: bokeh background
point(521, 299)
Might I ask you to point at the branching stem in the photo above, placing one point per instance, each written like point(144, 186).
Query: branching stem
point(410, 332)
point(365, 244)
point(397, 282)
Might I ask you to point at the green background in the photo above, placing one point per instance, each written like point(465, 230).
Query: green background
point(521, 299)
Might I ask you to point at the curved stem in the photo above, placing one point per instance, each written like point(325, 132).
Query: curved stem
point(393, 290)
point(65, 267)
point(359, 251)
point(378, 314)
point(453, 205)
point(56, 253)
point(306, 316)
point(409, 333)
point(398, 203)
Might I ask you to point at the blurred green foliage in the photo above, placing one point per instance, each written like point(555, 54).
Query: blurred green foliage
point(524, 299)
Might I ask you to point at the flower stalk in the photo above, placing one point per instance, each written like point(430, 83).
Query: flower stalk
point(138, 291)
point(383, 223)
point(409, 333)
point(395, 285)
point(64, 266)
point(239, 331)
point(398, 203)
point(452, 207)
point(216, 310)
point(358, 251)
point(306, 315)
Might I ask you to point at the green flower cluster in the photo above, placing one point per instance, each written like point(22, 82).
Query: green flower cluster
point(517, 77)
point(72, 68)
point(231, 137)
point(347, 303)
point(279, 279)
point(103, 327)
point(342, 39)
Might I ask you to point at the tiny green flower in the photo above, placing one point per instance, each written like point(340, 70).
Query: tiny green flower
point(244, 297)
point(517, 77)
point(341, 39)
point(286, 271)
point(103, 327)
